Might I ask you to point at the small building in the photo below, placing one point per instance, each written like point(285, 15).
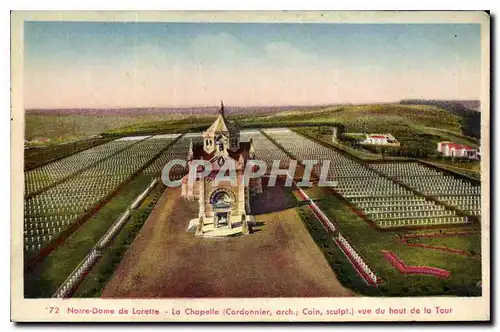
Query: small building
point(380, 139)
point(450, 149)
point(334, 134)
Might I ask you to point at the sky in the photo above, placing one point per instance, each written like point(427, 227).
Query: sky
point(142, 64)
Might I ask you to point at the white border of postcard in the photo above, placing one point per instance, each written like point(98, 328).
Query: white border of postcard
point(40, 310)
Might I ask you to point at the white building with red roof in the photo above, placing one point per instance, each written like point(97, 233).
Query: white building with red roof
point(451, 149)
point(380, 139)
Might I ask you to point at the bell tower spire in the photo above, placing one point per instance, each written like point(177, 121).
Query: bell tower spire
point(221, 109)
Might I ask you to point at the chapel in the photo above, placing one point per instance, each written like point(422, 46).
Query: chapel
point(223, 207)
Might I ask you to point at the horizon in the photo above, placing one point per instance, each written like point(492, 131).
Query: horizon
point(116, 65)
point(246, 106)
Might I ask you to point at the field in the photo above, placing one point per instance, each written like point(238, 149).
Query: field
point(166, 261)
point(56, 124)
point(66, 126)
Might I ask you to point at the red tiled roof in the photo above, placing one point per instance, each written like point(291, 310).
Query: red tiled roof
point(378, 136)
point(459, 146)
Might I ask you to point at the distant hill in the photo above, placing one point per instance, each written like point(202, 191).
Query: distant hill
point(468, 110)
point(202, 110)
point(417, 127)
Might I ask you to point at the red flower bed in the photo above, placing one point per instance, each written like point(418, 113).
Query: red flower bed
point(400, 265)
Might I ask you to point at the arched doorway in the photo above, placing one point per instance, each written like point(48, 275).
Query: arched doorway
point(222, 201)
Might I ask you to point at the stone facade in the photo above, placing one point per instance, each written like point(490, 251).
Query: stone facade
point(223, 206)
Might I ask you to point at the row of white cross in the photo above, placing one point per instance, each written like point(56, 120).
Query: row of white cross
point(405, 169)
point(390, 200)
point(395, 204)
point(404, 208)
point(74, 279)
point(372, 191)
point(95, 182)
point(423, 222)
point(305, 149)
point(371, 188)
point(44, 176)
point(267, 151)
point(179, 150)
point(412, 214)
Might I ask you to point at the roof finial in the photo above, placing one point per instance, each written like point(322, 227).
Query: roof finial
point(190, 151)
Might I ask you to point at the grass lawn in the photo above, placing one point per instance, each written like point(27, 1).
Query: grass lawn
point(471, 243)
point(44, 279)
point(314, 192)
point(369, 241)
point(469, 165)
point(471, 169)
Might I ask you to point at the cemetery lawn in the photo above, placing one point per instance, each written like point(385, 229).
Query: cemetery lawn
point(470, 243)
point(279, 259)
point(465, 271)
point(314, 192)
point(49, 274)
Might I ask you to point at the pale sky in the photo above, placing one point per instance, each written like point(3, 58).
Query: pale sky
point(102, 65)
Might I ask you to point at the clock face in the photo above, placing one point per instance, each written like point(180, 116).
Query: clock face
point(220, 162)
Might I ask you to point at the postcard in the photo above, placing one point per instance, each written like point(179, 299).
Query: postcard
point(250, 166)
